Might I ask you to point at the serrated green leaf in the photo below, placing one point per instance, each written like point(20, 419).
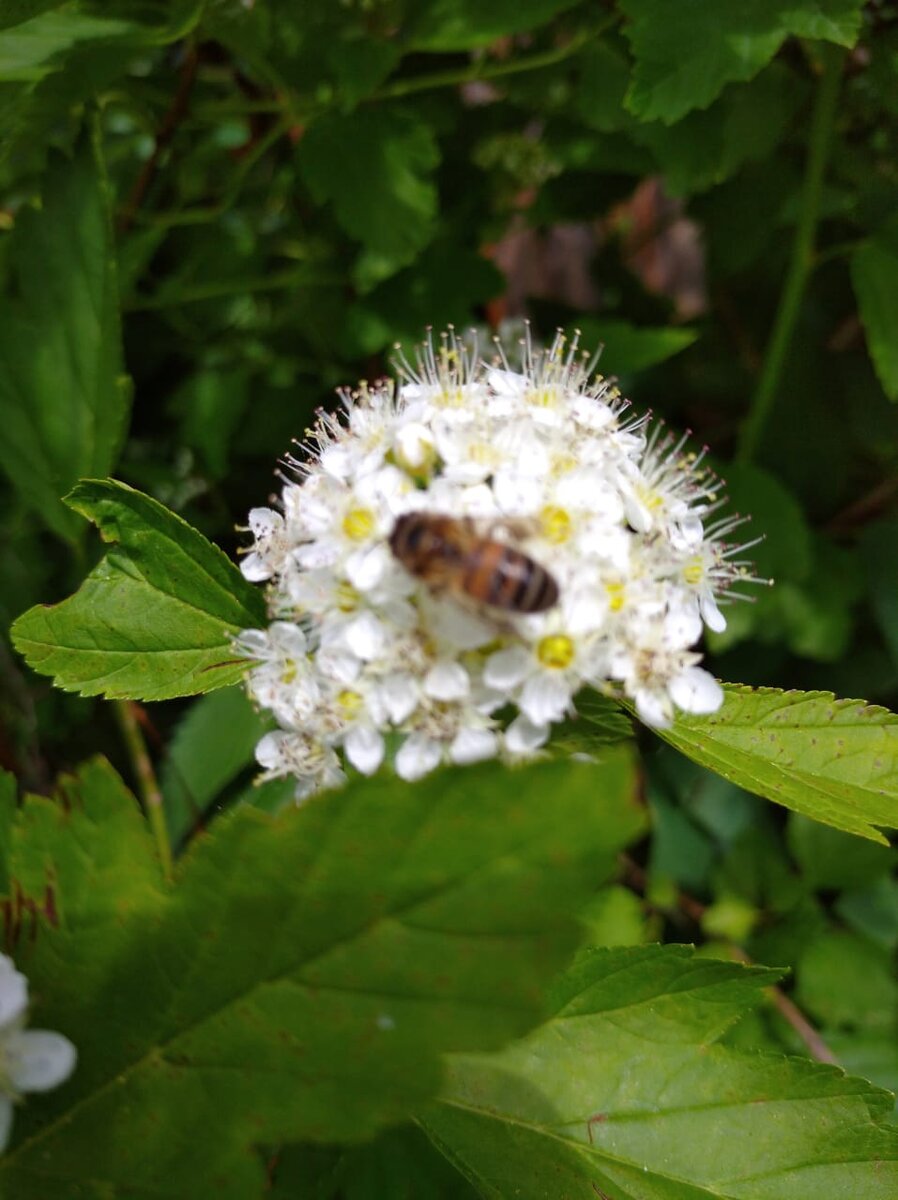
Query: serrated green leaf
point(446, 25)
point(833, 760)
point(621, 1095)
point(382, 192)
point(64, 398)
point(211, 746)
point(685, 58)
point(307, 971)
point(709, 146)
point(154, 619)
point(874, 273)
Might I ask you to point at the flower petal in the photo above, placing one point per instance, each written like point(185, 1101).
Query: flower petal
point(364, 749)
point(447, 680)
point(418, 755)
point(13, 992)
point(38, 1059)
point(696, 691)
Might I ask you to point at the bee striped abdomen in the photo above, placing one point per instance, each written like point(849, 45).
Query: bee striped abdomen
point(505, 578)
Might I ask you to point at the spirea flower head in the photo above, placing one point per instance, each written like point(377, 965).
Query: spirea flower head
point(551, 541)
point(31, 1060)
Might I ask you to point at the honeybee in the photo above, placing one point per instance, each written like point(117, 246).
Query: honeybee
point(459, 555)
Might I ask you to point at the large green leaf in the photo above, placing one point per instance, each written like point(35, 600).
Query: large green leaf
point(686, 55)
point(874, 272)
point(64, 399)
point(305, 974)
point(623, 1095)
point(154, 619)
point(382, 192)
point(833, 760)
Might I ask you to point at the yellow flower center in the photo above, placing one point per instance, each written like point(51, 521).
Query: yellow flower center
point(290, 671)
point(616, 596)
point(347, 597)
point(420, 470)
point(556, 651)
point(544, 397)
point(556, 524)
point(652, 500)
point(694, 572)
point(450, 397)
point(358, 524)
point(349, 701)
point(562, 463)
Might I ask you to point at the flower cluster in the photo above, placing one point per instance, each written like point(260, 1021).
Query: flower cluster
point(374, 650)
point(31, 1060)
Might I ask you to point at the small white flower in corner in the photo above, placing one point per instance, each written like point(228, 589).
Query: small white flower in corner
point(31, 1060)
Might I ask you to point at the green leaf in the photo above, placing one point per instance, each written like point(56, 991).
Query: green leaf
point(382, 193)
point(211, 747)
point(830, 859)
point(622, 1095)
point(685, 59)
point(833, 760)
point(847, 981)
point(154, 619)
point(64, 398)
point(874, 273)
point(16, 11)
point(465, 24)
point(627, 347)
point(743, 125)
point(306, 974)
point(36, 49)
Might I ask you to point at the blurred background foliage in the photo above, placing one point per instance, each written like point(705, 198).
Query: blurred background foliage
point(709, 191)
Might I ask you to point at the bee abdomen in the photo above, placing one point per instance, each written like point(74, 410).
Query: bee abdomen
point(505, 578)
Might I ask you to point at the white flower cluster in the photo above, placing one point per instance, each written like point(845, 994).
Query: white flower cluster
point(31, 1060)
point(411, 648)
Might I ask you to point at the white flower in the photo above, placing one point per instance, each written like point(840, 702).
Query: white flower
point(31, 1060)
point(375, 655)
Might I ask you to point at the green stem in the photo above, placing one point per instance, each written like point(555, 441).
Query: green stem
point(802, 256)
point(147, 786)
point(484, 69)
point(221, 289)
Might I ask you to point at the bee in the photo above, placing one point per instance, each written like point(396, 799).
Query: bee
point(461, 556)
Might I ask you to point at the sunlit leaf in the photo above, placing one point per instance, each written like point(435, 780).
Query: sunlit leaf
point(833, 760)
point(154, 619)
point(623, 1095)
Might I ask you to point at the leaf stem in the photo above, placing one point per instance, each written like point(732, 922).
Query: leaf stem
point(482, 70)
point(147, 785)
point(802, 255)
